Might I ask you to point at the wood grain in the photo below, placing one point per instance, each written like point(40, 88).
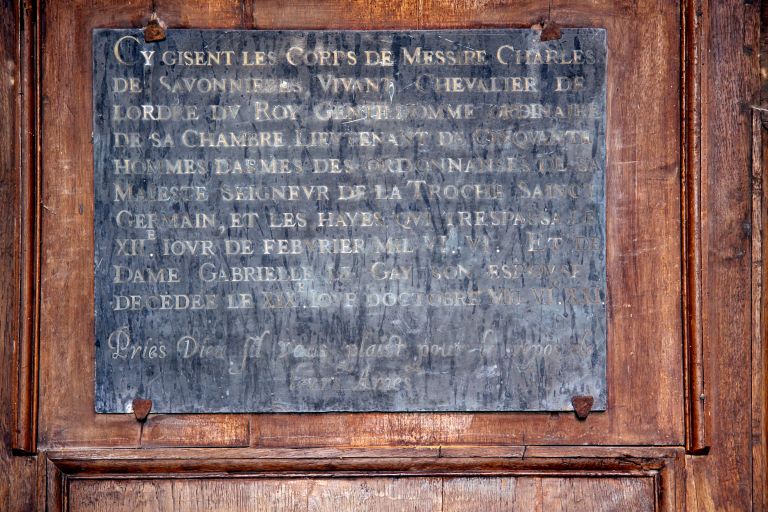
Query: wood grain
point(759, 273)
point(204, 430)
point(643, 252)
point(645, 339)
point(643, 191)
point(548, 494)
point(721, 480)
point(659, 467)
point(26, 285)
point(759, 387)
point(197, 13)
point(17, 474)
point(372, 495)
point(340, 14)
point(197, 462)
point(696, 439)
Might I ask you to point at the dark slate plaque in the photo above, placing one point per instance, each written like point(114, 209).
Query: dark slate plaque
point(349, 221)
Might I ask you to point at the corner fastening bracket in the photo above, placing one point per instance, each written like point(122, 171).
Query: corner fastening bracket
point(582, 406)
point(155, 30)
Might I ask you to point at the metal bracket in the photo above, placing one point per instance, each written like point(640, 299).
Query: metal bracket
point(582, 405)
point(155, 30)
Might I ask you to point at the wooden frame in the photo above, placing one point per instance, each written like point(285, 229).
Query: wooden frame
point(663, 466)
point(720, 326)
point(66, 413)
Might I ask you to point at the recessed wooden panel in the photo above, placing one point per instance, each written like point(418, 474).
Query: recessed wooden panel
point(548, 494)
point(369, 494)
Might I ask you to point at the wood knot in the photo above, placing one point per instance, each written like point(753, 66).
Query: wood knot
point(582, 405)
point(141, 409)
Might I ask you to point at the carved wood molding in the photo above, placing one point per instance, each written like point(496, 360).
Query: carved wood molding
point(663, 465)
point(27, 250)
point(696, 439)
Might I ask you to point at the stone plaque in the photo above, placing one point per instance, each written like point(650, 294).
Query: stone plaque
point(349, 221)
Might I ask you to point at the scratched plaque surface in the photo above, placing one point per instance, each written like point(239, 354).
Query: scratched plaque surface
point(349, 221)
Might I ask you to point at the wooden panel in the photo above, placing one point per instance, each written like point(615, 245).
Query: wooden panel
point(721, 480)
point(643, 192)
point(643, 236)
point(619, 477)
point(759, 354)
point(643, 228)
point(717, 481)
point(548, 494)
point(17, 474)
point(390, 494)
point(371, 495)
point(200, 13)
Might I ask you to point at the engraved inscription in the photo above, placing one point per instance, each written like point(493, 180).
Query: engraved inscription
point(315, 221)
